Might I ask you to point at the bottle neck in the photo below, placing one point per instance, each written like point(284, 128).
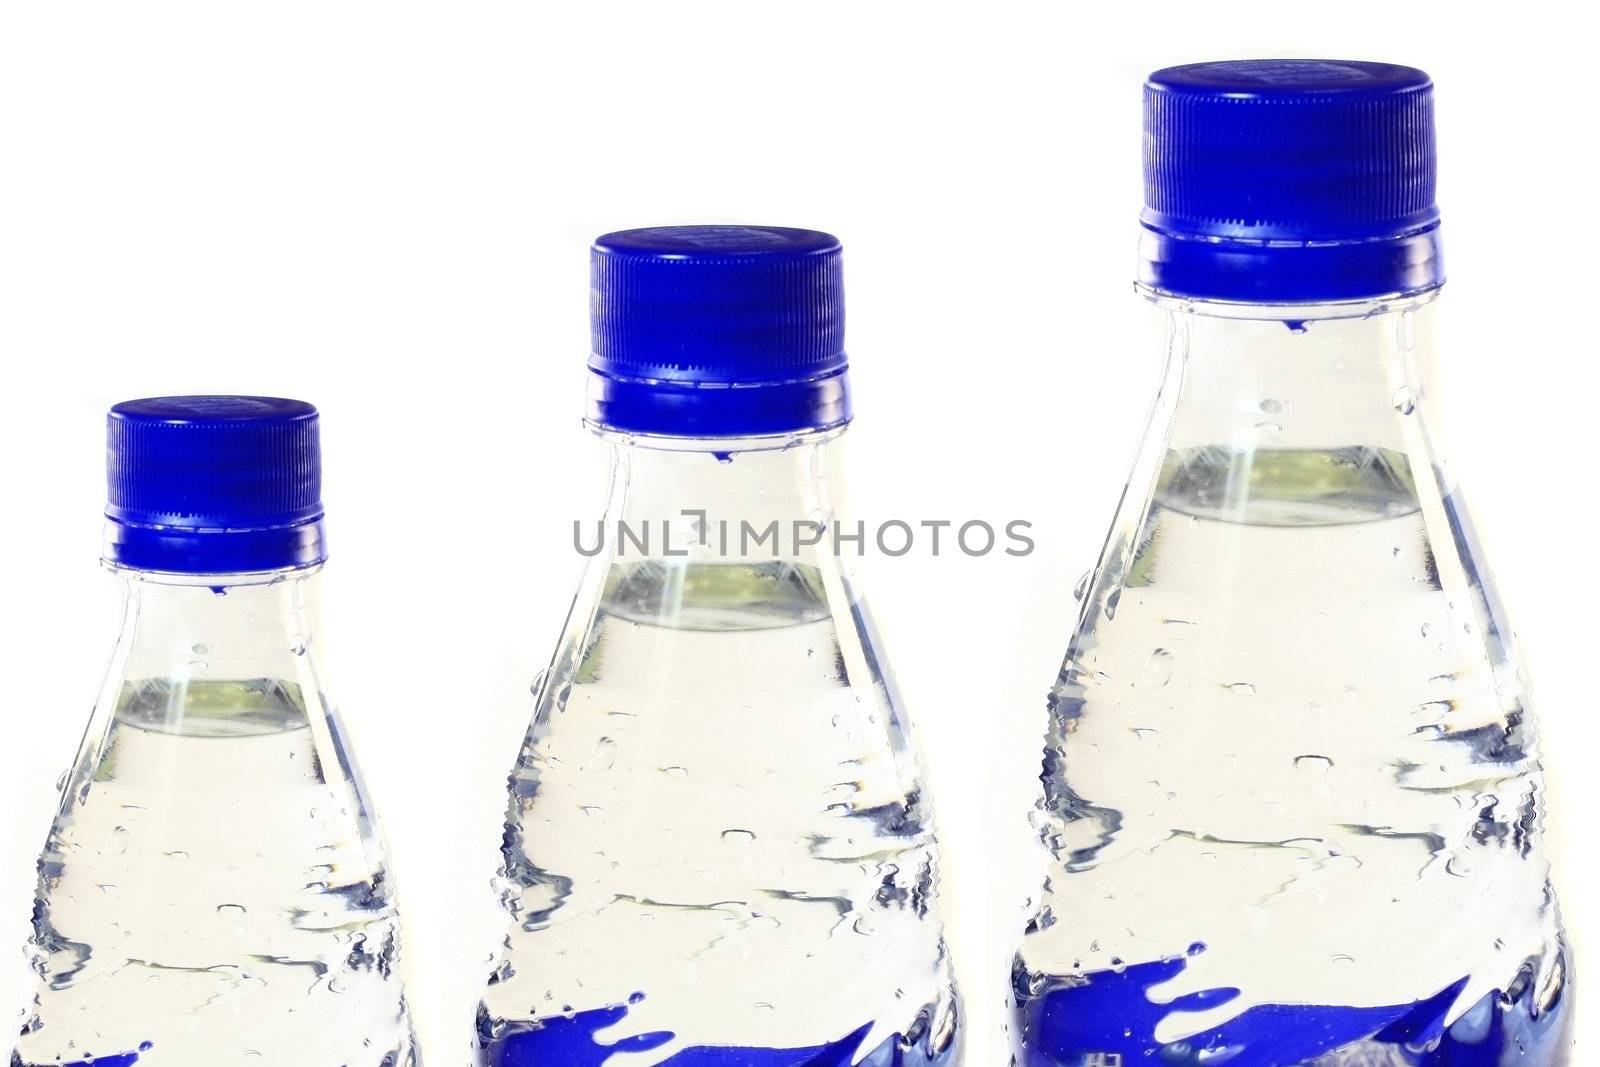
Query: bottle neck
point(684, 490)
point(1293, 376)
point(1293, 414)
point(227, 627)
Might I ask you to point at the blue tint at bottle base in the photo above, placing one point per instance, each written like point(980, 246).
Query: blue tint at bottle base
point(1107, 1017)
point(122, 1059)
point(576, 1041)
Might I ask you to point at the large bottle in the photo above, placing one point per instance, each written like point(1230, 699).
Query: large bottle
point(1292, 784)
point(212, 891)
point(718, 848)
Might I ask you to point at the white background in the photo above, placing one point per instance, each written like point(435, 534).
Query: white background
point(386, 208)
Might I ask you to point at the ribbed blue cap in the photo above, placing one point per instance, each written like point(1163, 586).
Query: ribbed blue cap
point(717, 331)
point(213, 485)
point(1289, 180)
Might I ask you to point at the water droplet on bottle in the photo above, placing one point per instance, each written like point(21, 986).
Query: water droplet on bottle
point(675, 772)
point(1404, 401)
point(177, 854)
point(1313, 763)
point(1269, 406)
point(199, 650)
point(604, 755)
point(1081, 590)
point(231, 911)
point(119, 840)
point(1426, 629)
point(1157, 669)
point(738, 838)
point(1242, 688)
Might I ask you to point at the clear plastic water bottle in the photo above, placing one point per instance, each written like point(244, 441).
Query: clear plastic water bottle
point(212, 890)
point(718, 848)
point(1292, 784)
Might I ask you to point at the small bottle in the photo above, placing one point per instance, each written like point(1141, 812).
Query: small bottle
point(718, 847)
point(213, 890)
point(1293, 797)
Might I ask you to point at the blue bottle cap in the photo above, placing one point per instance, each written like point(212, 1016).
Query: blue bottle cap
point(1289, 181)
point(717, 331)
point(213, 485)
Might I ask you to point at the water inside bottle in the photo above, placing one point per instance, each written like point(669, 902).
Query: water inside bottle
point(1304, 787)
point(718, 849)
point(212, 892)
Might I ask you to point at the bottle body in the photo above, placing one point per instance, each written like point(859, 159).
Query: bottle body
point(718, 841)
point(1292, 797)
point(212, 889)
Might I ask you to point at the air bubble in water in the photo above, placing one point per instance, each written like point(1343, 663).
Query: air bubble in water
point(604, 755)
point(1157, 669)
